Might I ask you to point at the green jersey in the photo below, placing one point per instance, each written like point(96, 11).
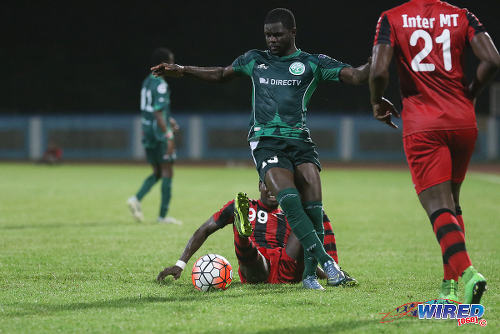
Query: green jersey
point(155, 95)
point(282, 88)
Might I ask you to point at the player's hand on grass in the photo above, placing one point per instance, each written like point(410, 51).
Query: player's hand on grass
point(168, 70)
point(384, 110)
point(174, 271)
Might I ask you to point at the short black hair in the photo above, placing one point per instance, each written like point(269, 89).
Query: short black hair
point(161, 55)
point(283, 15)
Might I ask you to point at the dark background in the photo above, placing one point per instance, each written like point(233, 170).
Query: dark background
point(91, 57)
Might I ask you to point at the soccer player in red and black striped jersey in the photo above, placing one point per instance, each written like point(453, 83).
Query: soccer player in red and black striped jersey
point(428, 39)
point(271, 254)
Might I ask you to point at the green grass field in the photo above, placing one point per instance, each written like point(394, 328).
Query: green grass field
point(73, 260)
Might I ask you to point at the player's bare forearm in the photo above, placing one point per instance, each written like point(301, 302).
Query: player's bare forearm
point(355, 75)
point(378, 84)
point(383, 109)
point(192, 246)
point(198, 238)
point(160, 121)
point(484, 74)
point(489, 63)
point(379, 71)
point(213, 74)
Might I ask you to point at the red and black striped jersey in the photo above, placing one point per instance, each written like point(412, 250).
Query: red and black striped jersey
point(270, 227)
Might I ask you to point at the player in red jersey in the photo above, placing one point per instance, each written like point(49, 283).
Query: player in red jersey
point(428, 39)
point(271, 254)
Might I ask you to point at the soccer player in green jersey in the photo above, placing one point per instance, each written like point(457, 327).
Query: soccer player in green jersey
point(284, 79)
point(158, 139)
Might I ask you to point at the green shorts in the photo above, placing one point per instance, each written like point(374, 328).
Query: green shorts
point(269, 152)
point(158, 154)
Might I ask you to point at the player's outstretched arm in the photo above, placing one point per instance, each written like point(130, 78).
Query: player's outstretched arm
point(214, 74)
point(355, 75)
point(489, 62)
point(196, 241)
point(382, 108)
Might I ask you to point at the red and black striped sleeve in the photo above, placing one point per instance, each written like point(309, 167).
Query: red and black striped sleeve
point(224, 216)
point(383, 32)
point(474, 27)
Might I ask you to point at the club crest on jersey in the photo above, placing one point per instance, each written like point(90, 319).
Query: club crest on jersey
point(162, 88)
point(297, 68)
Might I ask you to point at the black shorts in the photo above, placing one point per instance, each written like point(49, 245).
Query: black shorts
point(269, 152)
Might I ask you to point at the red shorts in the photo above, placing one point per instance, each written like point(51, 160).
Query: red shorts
point(438, 156)
point(282, 268)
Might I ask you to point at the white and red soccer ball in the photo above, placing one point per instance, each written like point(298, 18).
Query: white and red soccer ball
point(212, 271)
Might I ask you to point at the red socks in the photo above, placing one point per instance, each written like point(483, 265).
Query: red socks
point(452, 241)
point(458, 212)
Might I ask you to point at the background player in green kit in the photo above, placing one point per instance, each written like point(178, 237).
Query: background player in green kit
point(284, 79)
point(157, 138)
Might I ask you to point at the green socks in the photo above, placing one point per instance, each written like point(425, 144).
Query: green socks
point(289, 200)
point(146, 186)
point(166, 191)
point(314, 211)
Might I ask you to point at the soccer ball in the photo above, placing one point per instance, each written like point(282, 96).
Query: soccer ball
point(210, 272)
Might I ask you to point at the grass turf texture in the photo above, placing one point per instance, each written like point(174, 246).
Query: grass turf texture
point(73, 260)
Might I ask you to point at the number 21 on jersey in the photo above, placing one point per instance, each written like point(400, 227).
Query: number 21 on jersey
point(417, 63)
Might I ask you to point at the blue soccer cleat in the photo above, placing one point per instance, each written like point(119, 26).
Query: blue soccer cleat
point(311, 283)
point(334, 273)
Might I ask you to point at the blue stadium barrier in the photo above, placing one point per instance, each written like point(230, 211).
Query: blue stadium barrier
point(14, 137)
point(212, 136)
point(94, 137)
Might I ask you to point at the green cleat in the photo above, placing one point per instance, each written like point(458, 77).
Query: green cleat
point(449, 290)
point(241, 221)
point(474, 286)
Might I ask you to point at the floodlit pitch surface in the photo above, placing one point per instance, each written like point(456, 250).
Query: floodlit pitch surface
point(73, 260)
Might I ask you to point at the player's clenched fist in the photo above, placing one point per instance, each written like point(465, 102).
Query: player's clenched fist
point(169, 70)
